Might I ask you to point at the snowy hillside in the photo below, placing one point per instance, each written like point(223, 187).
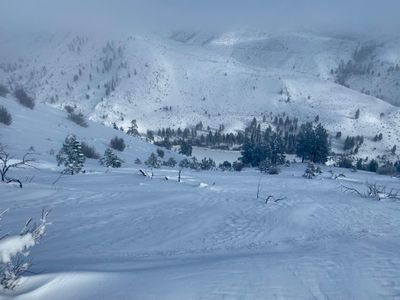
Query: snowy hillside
point(183, 78)
point(43, 130)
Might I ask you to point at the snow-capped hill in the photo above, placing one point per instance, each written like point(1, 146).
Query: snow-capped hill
point(225, 78)
point(43, 130)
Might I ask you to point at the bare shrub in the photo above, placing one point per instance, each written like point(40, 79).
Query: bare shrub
point(89, 151)
point(78, 118)
point(23, 98)
point(118, 143)
point(5, 116)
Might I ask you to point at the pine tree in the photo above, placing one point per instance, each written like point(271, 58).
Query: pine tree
point(110, 159)
point(275, 150)
point(304, 141)
point(186, 149)
point(133, 129)
point(71, 156)
point(153, 161)
point(321, 145)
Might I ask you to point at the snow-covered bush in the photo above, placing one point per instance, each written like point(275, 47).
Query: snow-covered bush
point(110, 159)
point(23, 98)
point(71, 156)
point(312, 171)
point(14, 251)
point(5, 116)
point(138, 161)
point(117, 143)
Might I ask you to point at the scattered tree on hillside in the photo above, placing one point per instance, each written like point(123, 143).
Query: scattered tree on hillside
point(110, 159)
point(186, 149)
point(133, 129)
point(71, 156)
point(153, 161)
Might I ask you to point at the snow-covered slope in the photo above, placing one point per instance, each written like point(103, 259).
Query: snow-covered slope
point(228, 78)
point(44, 129)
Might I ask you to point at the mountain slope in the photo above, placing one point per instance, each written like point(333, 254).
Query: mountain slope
point(218, 79)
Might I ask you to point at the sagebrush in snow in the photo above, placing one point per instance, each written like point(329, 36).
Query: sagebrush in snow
point(14, 251)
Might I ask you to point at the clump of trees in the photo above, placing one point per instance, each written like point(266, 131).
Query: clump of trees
point(5, 116)
point(313, 143)
point(117, 143)
point(71, 156)
point(23, 98)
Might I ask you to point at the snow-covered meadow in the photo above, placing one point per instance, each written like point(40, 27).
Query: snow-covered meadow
point(118, 235)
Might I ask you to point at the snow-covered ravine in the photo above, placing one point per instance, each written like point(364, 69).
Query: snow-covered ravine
point(118, 235)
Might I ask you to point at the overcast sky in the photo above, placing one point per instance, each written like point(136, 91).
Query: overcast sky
point(267, 15)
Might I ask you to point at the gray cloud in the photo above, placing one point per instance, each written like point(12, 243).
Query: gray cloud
point(267, 15)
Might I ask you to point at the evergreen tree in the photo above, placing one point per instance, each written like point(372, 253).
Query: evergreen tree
point(110, 159)
point(321, 145)
point(133, 129)
point(153, 161)
point(186, 149)
point(275, 150)
point(304, 141)
point(71, 156)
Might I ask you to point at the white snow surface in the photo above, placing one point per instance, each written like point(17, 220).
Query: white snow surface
point(118, 235)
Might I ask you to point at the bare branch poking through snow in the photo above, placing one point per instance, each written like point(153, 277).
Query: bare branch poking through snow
point(374, 191)
point(14, 251)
